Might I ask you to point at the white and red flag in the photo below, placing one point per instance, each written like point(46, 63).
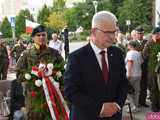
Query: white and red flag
point(30, 26)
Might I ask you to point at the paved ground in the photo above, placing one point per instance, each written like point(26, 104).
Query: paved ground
point(73, 46)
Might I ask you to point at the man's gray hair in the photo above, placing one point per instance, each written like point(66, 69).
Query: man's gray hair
point(103, 16)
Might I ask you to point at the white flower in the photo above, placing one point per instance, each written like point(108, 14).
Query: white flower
point(59, 74)
point(158, 57)
point(38, 83)
point(27, 76)
point(42, 66)
point(48, 73)
point(50, 66)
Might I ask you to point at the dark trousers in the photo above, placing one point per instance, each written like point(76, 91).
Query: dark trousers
point(143, 88)
point(3, 68)
point(155, 95)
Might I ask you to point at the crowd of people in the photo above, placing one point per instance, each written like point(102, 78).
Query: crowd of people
point(97, 75)
point(141, 62)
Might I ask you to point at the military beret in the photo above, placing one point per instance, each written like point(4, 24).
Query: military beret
point(156, 30)
point(38, 29)
point(139, 29)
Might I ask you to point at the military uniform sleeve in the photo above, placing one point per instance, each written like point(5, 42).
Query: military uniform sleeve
point(145, 52)
point(21, 66)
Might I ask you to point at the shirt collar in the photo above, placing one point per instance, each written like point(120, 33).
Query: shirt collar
point(96, 49)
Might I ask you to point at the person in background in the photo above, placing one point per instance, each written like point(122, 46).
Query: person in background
point(133, 62)
point(4, 61)
point(55, 43)
point(144, 80)
point(133, 35)
point(18, 49)
point(150, 52)
point(17, 104)
point(96, 86)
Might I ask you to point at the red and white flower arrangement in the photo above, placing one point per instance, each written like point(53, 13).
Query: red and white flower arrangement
point(44, 77)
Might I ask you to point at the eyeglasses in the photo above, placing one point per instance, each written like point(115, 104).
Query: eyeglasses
point(107, 32)
point(43, 35)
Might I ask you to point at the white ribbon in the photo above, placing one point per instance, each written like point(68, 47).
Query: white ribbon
point(45, 88)
point(56, 85)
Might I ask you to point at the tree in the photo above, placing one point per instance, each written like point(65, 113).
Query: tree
point(115, 5)
point(20, 21)
point(59, 5)
point(43, 15)
point(5, 28)
point(138, 11)
point(56, 21)
point(81, 13)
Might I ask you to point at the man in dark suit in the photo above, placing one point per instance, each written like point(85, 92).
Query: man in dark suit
point(95, 81)
point(17, 101)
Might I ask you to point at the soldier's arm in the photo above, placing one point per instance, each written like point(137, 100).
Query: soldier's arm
point(21, 66)
point(145, 52)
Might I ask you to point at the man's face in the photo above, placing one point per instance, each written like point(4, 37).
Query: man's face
point(55, 37)
point(104, 34)
point(156, 37)
point(139, 35)
point(40, 38)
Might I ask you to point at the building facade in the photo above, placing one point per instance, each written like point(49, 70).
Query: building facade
point(11, 8)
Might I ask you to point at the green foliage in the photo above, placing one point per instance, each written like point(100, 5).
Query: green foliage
point(5, 28)
point(58, 5)
point(81, 14)
point(138, 11)
point(153, 57)
point(56, 21)
point(70, 16)
point(43, 15)
point(115, 5)
point(20, 21)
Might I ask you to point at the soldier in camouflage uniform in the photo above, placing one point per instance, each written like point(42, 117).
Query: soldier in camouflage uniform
point(150, 52)
point(4, 61)
point(32, 57)
point(139, 33)
point(17, 49)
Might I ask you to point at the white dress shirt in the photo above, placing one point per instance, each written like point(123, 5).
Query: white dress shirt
point(98, 55)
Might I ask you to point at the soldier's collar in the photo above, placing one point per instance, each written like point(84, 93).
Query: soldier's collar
point(37, 46)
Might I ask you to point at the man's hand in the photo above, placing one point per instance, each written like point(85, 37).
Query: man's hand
point(109, 109)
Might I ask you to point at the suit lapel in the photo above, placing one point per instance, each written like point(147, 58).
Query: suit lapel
point(92, 57)
point(94, 65)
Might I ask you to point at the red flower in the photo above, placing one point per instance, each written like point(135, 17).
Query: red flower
point(33, 93)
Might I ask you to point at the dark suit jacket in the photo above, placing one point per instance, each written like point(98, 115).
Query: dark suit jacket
point(17, 97)
point(84, 85)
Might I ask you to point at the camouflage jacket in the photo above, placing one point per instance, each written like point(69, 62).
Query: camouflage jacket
point(150, 52)
point(33, 57)
point(3, 52)
point(17, 50)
